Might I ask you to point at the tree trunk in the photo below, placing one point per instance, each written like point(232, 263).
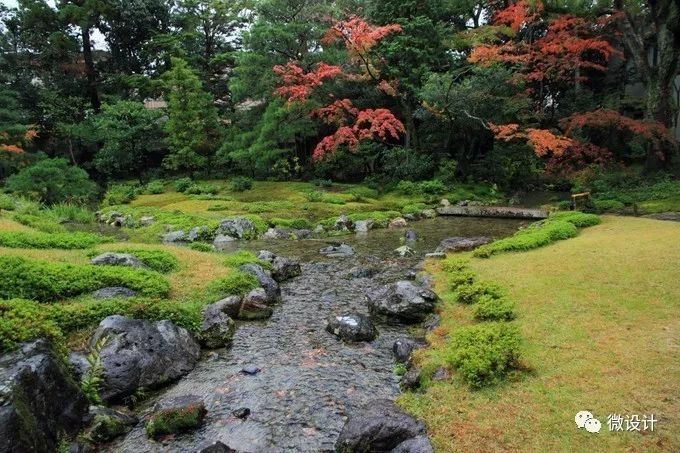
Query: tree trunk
point(89, 70)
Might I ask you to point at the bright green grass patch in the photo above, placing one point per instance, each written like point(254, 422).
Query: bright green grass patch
point(22, 320)
point(39, 223)
point(236, 283)
point(242, 257)
point(39, 240)
point(45, 281)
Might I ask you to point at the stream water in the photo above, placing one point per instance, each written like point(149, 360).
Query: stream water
point(309, 381)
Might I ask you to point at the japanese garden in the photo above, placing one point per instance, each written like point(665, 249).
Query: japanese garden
point(339, 226)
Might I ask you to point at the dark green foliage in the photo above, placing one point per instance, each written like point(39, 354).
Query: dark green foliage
point(39, 240)
point(155, 187)
point(236, 283)
point(202, 189)
point(53, 181)
point(473, 292)
point(361, 193)
point(46, 282)
point(241, 184)
point(483, 354)
point(182, 184)
point(490, 308)
point(129, 133)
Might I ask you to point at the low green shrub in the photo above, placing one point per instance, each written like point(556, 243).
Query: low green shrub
point(154, 187)
point(408, 188)
point(413, 208)
point(535, 236)
point(242, 257)
point(259, 207)
point(453, 264)
point(433, 187)
point(576, 218)
point(314, 196)
point(333, 199)
point(236, 283)
point(482, 354)
point(489, 308)
point(182, 184)
point(202, 189)
point(362, 193)
point(120, 194)
point(24, 320)
point(39, 223)
point(69, 212)
point(39, 240)
point(471, 293)
point(7, 203)
point(322, 182)
point(241, 184)
point(201, 247)
point(297, 224)
point(461, 277)
point(44, 281)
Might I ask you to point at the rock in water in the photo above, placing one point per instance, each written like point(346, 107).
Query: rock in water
point(176, 415)
point(405, 250)
point(241, 412)
point(352, 327)
point(117, 259)
point(399, 222)
point(250, 369)
point(138, 353)
point(266, 255)
point(380, 426)
point(238, 227)
point(363, 226)
point(108, 424)
point(411, 236)
point(285, 268)
point(223, 241)
point(461, 244)
point(217, 329)
point(217, 447)
point(255, 305)
point(266, 281)
point(114, 292)
point(403, 301)
point(337, 250)
point(343, 223)
point(39, 401)
point(402, 350)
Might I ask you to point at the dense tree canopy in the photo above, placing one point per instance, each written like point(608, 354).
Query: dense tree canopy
point(513, 92)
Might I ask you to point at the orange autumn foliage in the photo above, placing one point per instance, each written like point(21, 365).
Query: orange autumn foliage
point(358, 35)
point(298, 84)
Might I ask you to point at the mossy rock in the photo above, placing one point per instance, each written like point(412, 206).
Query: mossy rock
point(176, 415)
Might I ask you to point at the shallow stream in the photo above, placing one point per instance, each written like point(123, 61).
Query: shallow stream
point(309, 381)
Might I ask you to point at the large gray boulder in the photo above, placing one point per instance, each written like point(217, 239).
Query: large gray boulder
point(461, 244)
point(138, 353)
point(381, 426)
point(363, 226)
point(200, 233)
point(255, 305)
point(174, 237)
point(352, 327)
point(117, 259)
point(39, 400)
point(403, 301)
point(265, 280)
point(238, 227)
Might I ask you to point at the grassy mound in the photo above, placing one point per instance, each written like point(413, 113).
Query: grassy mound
point(40, 240)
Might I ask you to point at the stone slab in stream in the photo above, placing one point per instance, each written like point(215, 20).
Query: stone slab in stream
point(493, 211)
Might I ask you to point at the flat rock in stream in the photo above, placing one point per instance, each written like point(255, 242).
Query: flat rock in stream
point(138, 353)
point(461, 244)
point(381, 426)
point(255, 305)
point(352, 327)
point(337, 250)
point(403, 301)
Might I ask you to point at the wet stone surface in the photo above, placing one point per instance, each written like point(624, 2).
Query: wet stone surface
point(309, 381)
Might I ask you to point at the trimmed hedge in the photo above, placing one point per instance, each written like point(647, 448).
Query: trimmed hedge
point(35, 240)
point(489, 308)
point(483, 353)
point(471, 293)
point(45, 281)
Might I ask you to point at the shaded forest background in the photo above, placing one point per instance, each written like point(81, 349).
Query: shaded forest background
point(521, 94)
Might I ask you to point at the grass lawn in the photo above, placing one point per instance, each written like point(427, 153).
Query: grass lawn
point(599, 317)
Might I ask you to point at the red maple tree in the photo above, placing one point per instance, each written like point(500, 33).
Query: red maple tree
point(354, 125)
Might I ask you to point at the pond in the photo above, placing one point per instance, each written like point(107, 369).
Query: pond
point(309, 381)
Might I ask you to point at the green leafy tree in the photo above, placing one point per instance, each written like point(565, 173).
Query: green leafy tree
point(53, 181)
point(192, 119)
point(131, 136)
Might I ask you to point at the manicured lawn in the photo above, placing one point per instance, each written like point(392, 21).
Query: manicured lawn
point(600, 319)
